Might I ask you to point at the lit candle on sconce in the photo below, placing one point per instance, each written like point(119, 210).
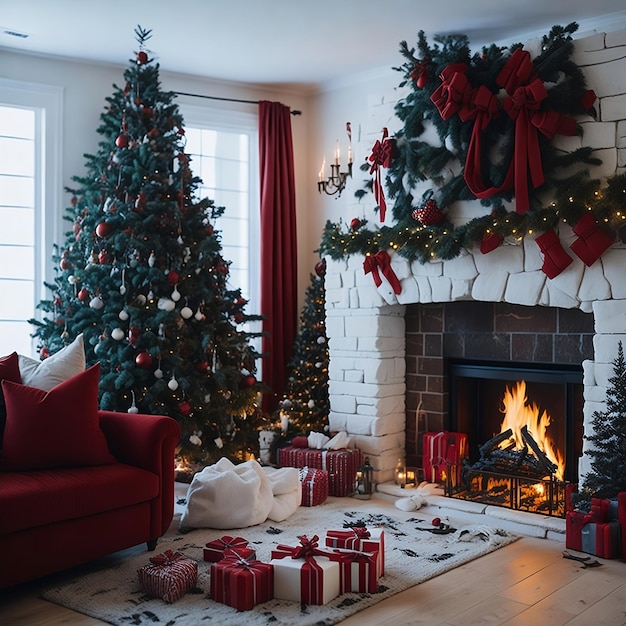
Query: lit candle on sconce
point(337, 153)
point(284, 422)
point(321, 174)
point(349, 154)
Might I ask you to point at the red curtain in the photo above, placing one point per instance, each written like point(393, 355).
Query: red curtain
point(278, 247)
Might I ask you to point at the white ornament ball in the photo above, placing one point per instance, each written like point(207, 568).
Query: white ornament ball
point(311, 404)
point(71, 279)
point(158, 373)
point(122, 289)
point(173, 384)
point(199, 315)
point(321, 340)
point(175, 295)
point(96, 303)
point(133, 409)
point(186, 312)
point(165, 304)
point(141, 299)
point(118, 334)
point(123, 315)
point(319, 364)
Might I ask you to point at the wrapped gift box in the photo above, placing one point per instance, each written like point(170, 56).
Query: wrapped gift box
point(361, 539)
point(341, 465)
point(241, 583)
point(357, 571)
point(305, 573)
point(214, 550)
point(574, 523)
point(442, 450)
point(314, 486)
point(168, 576)
point(602, 539)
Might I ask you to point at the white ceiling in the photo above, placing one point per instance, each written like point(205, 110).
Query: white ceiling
point(304, 43)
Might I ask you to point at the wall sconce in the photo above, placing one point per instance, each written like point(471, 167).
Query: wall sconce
point(336, 182)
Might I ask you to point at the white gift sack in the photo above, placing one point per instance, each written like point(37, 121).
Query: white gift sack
point(225, 495)
point(287, 490)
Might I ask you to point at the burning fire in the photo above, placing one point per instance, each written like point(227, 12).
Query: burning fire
point(519, 413)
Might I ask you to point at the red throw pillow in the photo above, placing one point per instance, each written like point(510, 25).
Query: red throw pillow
point(57, 428)
point(9, 370)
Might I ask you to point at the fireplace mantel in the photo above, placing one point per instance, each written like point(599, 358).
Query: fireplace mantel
point(366, 328)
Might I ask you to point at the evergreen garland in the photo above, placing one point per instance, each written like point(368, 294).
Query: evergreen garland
point(416, 163)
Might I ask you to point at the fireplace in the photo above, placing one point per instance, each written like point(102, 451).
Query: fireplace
point(524, 423)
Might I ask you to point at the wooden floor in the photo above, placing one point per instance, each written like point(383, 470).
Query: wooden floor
point(525, 583)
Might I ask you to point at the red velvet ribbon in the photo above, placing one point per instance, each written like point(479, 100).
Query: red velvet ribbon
point(380, 157)
point(454, 91)
point(166, 558)
point(228, 542)
point(381, 261)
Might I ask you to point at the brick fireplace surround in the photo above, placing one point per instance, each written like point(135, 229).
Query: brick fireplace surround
point(583, 309)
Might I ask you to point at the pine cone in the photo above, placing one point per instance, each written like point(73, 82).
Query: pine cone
point(429, 214)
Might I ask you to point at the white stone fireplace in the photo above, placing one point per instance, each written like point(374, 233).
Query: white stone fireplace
point(366, 325)
point(366, 329)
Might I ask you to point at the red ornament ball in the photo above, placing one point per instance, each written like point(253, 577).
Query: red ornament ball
point(429, 214)
point(44, 353)
point(320, 268)
point(202, 366)
point(144, 360)
point(142, 57)
point(103, 229)
point(65, 264)
point(355, 224)
point(173, 278)
point(122, 140)
point(247, 381)
point(83, 294)
point(184, 407)
point(103, 257)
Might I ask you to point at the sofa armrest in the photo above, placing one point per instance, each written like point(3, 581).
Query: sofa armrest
point(149, 442)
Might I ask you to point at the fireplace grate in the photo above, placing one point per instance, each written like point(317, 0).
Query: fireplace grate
point(545, 496)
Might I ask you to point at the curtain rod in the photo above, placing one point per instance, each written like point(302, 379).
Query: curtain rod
point(197, 95)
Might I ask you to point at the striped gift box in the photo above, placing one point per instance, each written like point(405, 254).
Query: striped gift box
point(168, 576)
point(314, 486)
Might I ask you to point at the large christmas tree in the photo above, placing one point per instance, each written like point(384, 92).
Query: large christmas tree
point(608, 441)
point(306, 403)
point(142, 277)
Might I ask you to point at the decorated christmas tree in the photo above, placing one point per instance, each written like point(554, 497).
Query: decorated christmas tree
point(141, 275)
point(306, 403)
point(608, 441)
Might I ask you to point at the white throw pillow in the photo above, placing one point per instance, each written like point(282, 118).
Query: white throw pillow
point(56, 369)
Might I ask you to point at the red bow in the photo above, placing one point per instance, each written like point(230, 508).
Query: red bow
point(380, 157)
point(381, 260)
point(167, 558)
point(454, 91)
point(361, 532)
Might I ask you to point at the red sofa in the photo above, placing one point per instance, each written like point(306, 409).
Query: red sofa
point(54, 519)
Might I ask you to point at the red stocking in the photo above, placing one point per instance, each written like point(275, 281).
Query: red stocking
point(592, 242)
point(490, 242)
point(555, 259)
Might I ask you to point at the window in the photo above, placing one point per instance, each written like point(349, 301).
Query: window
point(223, 147)
point(30, 188)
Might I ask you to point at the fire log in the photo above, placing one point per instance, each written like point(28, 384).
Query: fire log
point(490, 446)
point(547, 464)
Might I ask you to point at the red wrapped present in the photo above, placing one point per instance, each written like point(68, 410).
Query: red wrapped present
point(574, 523)
point(341, 465)
point(314, 486)
point(358, 571)
point(169, 576)
point(362, 539)
point(305, 573)
point(602, 539)
point(214, 550)
point(441, 451)
point(241, 583)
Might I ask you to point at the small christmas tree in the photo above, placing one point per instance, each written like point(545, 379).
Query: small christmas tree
point(142, 277)
point(608, 474)
point(306, 403)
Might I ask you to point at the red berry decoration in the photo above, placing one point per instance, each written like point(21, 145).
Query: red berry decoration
point(122, 140)
point(320, 268)
point(436, 521)
point(184, 407)
point(173, 278)
point(355, 224)
point(429, 214)
point(103, 229)
point(144, 360)
point(142, 57)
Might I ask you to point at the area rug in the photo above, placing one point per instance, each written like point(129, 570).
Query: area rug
point(413, 554)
